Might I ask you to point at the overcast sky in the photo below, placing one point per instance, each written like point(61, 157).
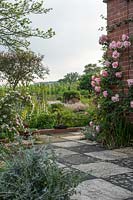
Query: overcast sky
point(75, 44)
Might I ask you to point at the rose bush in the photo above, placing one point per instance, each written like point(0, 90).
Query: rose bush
point(113, 104)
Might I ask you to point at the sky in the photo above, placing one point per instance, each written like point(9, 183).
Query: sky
point(76, 24)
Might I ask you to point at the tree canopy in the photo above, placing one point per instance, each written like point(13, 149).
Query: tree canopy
point(21, 67)
point(15, 23)
point(70, 78)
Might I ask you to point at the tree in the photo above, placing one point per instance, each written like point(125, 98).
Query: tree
point(85, 82)
point(15, 24)
point(21, 67)
point(85, 79)
point(91, 68)
point(70, 78)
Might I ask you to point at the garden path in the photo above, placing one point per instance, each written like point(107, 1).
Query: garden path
point(108, 173)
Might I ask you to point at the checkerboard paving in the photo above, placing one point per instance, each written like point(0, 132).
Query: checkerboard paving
point(109, 173)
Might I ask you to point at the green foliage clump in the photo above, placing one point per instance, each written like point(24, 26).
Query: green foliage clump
point(35, 175)
point(68, 95)
point(42, 120)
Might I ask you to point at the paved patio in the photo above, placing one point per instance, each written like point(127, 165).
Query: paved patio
point(108, 173)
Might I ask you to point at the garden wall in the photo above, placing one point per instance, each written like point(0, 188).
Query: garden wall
point(120, 21)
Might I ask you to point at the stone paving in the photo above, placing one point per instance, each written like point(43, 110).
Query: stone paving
point(109, 173)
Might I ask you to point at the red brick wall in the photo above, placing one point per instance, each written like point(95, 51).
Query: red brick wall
point(118, 11)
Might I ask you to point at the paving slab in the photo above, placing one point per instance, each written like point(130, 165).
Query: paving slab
point(86, 148)
point(67, 144)
point(88, 142)
point(122, 180)
point(78, 159)
point(98, 189)
point(126, 150)
point(60, 152)
point(73, 137)
point(107, 155)
point(126, 162)
point(102, 169)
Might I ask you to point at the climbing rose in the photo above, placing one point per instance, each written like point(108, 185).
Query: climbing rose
point(119, 45)
point(118, 74)
point(131, 104)
point(113, 45)
point(115, 98)
point(126, 44)
point(107, 63)
point(93, 78)
point(105, 93)
point(93, 83)
point(103, 39)
point(115, 64)
point(116, 54)
point(98, 80)
point(97, 88)
point(130, 82)
point(125, 37)
point(104, 73)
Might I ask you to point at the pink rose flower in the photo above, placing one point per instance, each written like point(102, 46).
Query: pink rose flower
point(113, 45)
point(103, 39)
point(131, 104)
point(130, 82)
point(115, 64)
point(93, 78)
point(98, 89)
point(118, 74)
point(116, 54)
point(126, 44)
point(93, 83)
point(105, 93)
point(104, 73)
point(98, 80)
point(97, 128)
point(115, 98)
point(107, 63)
point(91, 124)
point(125, 37)
point(119, 45)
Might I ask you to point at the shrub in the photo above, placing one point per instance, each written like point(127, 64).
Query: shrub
point(42, 120)
point(71, 95)
point(34, 174)
point(11, 106)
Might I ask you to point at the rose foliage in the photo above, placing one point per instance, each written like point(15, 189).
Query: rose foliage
point(114, 105)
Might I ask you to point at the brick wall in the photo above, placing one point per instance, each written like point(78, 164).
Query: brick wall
point(118, 11)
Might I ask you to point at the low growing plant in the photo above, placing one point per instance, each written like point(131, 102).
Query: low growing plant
point(33, 174)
